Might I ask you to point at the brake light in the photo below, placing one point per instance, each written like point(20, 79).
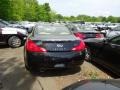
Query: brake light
point(32, 47)
point(80, 35)
point(79, 47)
point(99, 35)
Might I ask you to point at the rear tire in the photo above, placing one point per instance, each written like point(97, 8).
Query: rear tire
point(27, 68)
point(14, 42)
point(30, 69)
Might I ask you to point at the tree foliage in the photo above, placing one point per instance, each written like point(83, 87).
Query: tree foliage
point(16, 10)
point(93, 18)
point(31, 10)
point(30, 7)
point(4, 9)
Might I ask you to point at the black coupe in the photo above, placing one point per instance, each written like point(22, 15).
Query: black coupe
point(105, 52)
point(53, 46)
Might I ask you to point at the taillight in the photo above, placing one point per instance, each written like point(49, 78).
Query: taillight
point(99, 35)
point(79, 35)
point(79, 47)
point(32, 47)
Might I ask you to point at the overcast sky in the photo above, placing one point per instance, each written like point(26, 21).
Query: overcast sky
point(88, 7)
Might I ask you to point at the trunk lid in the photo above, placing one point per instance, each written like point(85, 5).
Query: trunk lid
point(90, 34)
point(57, 43)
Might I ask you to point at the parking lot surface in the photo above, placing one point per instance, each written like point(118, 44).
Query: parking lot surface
point(14, 76)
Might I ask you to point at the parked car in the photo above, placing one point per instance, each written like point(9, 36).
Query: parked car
point(105, 52)
point(22, 25)
point(95, 85)
point(112, 32)
point(53, 46)
point(94, 26)
point(27, 25)
point(4, 22)
point(14, 37)
point(84, 32)
point(112, 25)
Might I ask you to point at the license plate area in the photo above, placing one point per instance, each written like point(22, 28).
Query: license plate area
point(58, 46)
point(57, 49)
point(90, 35)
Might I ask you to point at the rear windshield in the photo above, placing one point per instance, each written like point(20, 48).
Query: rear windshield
point(52, 30)
point(82, 28)
point(2, 25)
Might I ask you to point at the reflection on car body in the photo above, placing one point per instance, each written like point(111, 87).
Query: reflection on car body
point(106, 52)
point(95, 85)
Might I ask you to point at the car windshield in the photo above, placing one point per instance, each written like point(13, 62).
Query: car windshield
point(2, 25)
point(52, 30)
point(4, 22)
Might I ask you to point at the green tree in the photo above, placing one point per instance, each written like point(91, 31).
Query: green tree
point(44, 12)
point(53, 16)
point(30, 10)
point(59, 17)
point(41, 13)
point(4, 9)
point(118, 19)
point(112, 19)
point(47, 12)
point(16, 10)
point(11, 9)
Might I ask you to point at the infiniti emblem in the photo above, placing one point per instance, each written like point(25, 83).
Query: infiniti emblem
point(59, 45)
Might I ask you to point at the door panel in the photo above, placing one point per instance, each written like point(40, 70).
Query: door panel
point(2, 37)
point(111, 54)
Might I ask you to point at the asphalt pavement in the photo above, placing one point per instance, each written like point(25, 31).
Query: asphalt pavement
point(14, 76)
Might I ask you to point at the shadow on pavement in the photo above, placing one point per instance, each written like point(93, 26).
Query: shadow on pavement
point(4, 46)
point(57, 72)
point(14, 76)
point(105, 70)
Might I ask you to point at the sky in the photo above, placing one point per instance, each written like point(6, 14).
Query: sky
point(87, 7)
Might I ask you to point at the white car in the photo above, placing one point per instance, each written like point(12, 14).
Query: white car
point(113, 32)
point(27, 25)
point(14, 37)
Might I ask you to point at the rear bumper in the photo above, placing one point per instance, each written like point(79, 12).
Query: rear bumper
point(50, 59)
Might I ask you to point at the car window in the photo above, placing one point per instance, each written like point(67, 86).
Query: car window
point(81, 28)
point(52, 30)
point(116, 41)
point(2, 25)
point(117, 28)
